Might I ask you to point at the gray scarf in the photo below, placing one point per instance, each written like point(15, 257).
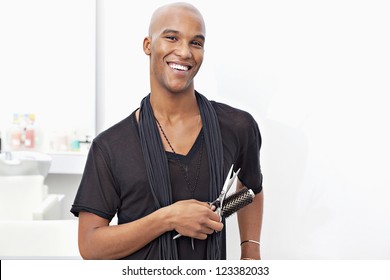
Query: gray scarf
point(158, 171)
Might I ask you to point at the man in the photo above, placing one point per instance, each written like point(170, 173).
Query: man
point(158, 168)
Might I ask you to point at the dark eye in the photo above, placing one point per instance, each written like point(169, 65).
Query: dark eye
point(171, 38)
point(197, 43)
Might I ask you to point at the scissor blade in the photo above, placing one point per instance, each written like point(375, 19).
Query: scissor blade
point(226, 186)
point(227, 183)
point(230, 179)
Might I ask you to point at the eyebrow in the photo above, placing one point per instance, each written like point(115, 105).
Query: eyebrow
point(166, 31)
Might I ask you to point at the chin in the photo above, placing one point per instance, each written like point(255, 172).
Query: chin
point(178, 90)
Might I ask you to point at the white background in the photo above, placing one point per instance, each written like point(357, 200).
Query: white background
point(315, 75)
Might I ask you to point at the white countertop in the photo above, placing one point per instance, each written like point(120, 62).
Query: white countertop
point(44, 239)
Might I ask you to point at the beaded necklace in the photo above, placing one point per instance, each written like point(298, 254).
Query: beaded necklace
point(190, 187)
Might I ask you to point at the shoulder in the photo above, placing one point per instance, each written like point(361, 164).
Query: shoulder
point(234, 118)
point(124, 129)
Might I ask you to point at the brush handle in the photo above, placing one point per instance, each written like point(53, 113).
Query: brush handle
point(236, 201)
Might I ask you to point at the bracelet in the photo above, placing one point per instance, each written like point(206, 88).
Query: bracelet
point(250, 241)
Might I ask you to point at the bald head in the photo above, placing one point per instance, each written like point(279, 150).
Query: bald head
point(163, 13)
point(175, 47)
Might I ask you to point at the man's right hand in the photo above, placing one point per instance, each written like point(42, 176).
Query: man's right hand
point(193, 218)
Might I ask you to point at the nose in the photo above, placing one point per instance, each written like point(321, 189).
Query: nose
point(183, 50)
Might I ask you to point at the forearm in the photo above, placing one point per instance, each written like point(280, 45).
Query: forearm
point(98, 240)
point(102, 241)
point(250, 222)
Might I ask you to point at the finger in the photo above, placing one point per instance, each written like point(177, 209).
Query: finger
point(211, 228)
point(208, 230)
point(206, 204)
point(201, 236)
point(192, 200)
point(215, 226)
point(197, 234)
point(215, 216)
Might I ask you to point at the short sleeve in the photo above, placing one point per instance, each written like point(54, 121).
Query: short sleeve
point(97, 192)
point(249, 154)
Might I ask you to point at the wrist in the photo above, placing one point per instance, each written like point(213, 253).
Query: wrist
point(250, 241)
point(250, 249)
point(167, 218)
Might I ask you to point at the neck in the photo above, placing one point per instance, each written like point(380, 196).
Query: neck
point(173, 106)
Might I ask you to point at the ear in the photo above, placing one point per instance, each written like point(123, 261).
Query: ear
point(147, 45)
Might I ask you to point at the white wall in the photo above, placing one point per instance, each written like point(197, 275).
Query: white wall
point(315, 76)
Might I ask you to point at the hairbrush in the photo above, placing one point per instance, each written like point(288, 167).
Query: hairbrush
point(236, 201)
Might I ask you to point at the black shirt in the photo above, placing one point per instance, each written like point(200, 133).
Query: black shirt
point(115, 180)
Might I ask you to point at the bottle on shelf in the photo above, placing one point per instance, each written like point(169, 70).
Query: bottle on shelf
point(74, 143)
point(29, 141)
point(16, 133)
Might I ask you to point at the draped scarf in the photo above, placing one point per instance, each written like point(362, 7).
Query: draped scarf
point(158, 171)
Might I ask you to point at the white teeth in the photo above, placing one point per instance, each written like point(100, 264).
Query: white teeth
point(178, 67)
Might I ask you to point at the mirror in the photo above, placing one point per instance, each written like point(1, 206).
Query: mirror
point(47, 70)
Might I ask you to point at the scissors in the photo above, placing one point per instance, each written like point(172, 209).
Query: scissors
point(218, 203)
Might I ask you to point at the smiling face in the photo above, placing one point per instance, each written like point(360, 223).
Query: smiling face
point(176, 48)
